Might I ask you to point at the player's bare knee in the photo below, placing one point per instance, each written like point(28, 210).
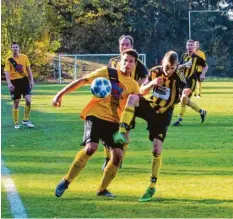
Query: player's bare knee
point(116, 157)
point(133, 100)
point(157, 147)
point(16, 104)
point(185, 100)
point(91, 148)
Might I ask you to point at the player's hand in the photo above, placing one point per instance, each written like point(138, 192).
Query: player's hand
point(186, 92)
point(188, 64)
point(11, 87)
point(202, 77)
point(158, 81)
point(32, 84)
point(57, 101)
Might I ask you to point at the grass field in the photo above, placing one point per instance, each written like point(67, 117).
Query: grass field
point(196, 179)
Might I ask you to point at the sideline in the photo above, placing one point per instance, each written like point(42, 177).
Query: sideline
point(16, 205)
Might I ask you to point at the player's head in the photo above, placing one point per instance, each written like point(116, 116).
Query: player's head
point(197, 44)
point(125, 42)
point(170, 63)
point(129, 59)
point(15, 48)
point(190, 46)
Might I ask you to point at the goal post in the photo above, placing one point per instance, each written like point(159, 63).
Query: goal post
point(69, 67)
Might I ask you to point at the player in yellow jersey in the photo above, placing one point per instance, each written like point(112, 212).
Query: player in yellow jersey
point(189, 64)
point(200, 53)
point(104, 113)
point(139, 73)
point(20, 82)
point(167, 85)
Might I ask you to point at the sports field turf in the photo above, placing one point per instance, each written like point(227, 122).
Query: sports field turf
point(196, 179)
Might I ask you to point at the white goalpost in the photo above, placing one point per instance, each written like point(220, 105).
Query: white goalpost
point(72, 66)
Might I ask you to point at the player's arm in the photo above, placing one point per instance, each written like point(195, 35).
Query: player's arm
point(205, 67)
point(7, 74)
point(143, 72)
point(67, 89)
point(151, 81)
point(30, 76)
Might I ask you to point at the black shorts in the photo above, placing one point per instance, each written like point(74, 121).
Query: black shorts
point(22, 87)
point(191, 83)
point(96, 129)
point(157, 122)
point(199, 76)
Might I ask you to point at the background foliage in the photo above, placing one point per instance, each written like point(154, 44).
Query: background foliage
point(92, 26)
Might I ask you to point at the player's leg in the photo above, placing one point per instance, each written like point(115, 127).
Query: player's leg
point(90, 140)
point(116, 156)
point(196, 108)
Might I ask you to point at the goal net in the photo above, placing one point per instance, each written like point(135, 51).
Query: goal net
point(68, 67)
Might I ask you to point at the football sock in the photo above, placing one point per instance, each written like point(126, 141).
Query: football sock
point(156, 165)
point(127, 117)
point(15, 114)
point(182, 110)
point(200, 88)
point(107, 153)
point(194, 106)
point(108, 175)
point(27, 110)
point(77, 165)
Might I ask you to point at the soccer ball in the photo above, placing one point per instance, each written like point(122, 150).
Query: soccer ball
point(101, 87)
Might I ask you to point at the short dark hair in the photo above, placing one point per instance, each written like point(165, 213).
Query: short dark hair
point(127, 37)
point(171, 57)
point(131, 52)
point(190, 41)
point(13, 43)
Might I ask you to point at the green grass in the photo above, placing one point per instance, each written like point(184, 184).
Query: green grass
point(195, 181)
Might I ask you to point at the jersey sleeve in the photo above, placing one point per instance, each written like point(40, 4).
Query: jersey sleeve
point(101, 72)
point(27, 61)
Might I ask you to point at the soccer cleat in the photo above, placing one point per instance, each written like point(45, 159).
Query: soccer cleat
point(147, 196)
point(28, 124)
point(177, 123)
point(120, 138)
point(105, 193)
point(61, 187)
point(203, 115)
point(17, 126)
point(105, 163)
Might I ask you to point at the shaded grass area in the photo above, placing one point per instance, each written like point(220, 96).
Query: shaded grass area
point(195, 180)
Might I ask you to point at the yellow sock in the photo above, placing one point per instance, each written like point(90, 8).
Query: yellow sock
point(107, 153)
point(15, 114)
point(196, 91)
point(77, 165)
point(125, 147)
point(108, 175)
point(127, 117)
point(200, 88)
point(194, 106)
point(27, 110)
point(156, 165)
point(182, 110)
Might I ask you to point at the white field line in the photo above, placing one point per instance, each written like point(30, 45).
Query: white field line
point(17, 208)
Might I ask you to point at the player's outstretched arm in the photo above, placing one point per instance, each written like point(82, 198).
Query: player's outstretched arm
point(57, 100)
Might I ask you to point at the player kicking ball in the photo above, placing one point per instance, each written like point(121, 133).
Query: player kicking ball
point(167, 83)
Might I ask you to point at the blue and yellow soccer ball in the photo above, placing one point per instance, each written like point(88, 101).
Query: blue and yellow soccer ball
point(101, 87)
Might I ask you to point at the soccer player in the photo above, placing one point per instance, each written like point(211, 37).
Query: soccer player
point(167, 84)
point(200, 53)
point(189, 64)
point(102, 118)
point(20, 82)
point(139, 73)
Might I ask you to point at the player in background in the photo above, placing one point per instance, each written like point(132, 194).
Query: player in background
point(104, 113)
point(188, 64)
point(200, 53)
point(167, 85)
point(139, 73)
point(20, 82)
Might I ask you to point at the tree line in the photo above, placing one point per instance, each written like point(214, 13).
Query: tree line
point(43, 27)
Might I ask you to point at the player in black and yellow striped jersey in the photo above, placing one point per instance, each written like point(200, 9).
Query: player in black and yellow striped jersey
point(189, 64)
point(200, 76)
point(139, 73)
point(167, 84)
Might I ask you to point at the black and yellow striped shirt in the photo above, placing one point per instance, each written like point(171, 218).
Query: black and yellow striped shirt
point(138, 73)
point(166, 96)
point(196, 61)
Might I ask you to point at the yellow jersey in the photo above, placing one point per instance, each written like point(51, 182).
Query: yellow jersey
point(201, 54)
point(21, 71)
point(111, 107)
